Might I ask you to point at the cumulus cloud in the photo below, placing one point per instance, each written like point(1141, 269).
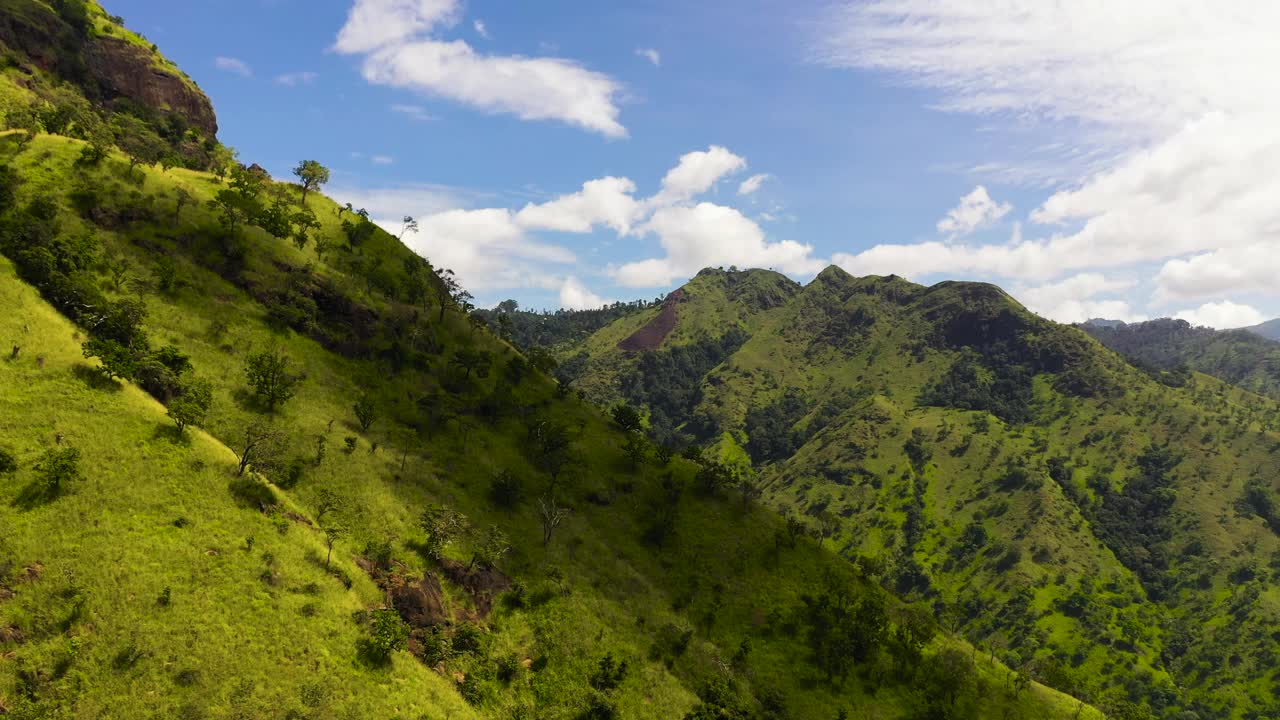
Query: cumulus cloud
point(1075, 299)
point(975, 211)
point(397, 39)
point(703, 235)
point(607, 201)
point(487, 249)
point(696, 173)
point(651, 55)
point(752, 184)
point(1160, 108)
point(305, 77)
point(575, 296)
point(233, 65)
point(1222, 315)
point(376, 24)
point(495, 248)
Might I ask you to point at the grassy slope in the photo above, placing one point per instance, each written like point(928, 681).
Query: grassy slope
point(112, 543)
point(856, 469)
point(597, 607)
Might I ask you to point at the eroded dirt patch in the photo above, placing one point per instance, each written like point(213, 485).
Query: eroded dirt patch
point(650, 336)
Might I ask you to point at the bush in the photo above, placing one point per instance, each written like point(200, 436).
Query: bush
point(609, 674)
point(506, 491)
point(8, 463)
point(387, 633)
point(57, 469)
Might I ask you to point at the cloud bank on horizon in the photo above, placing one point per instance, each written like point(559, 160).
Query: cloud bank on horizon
point(1163, 134)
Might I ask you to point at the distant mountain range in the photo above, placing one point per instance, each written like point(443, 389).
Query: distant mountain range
point(1083, 512)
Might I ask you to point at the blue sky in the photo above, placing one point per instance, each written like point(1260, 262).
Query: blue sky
point(1073, 149)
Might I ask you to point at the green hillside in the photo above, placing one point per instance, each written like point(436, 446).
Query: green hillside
point(259, 461)
point(1112, 535)
point(1169, 349)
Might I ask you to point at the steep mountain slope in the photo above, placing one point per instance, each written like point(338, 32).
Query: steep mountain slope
point(388, 511)
point(1115, 536)
point(1269, 329)
point(1170, 348)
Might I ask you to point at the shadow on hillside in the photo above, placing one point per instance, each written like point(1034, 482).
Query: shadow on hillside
point(94, 379)
point(33, 496)
point(170, 432)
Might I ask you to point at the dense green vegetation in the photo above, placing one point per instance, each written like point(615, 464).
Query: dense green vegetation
point(1170, 349)
point(1109, 529)
point(260, 460)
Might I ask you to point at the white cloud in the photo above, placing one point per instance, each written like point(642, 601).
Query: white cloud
point(696, 173)
point(1243, 268)
point(607, 201)
point(417, 112)
point(395, 36)
point(707, 235)
point(575, 296)
point(486, 248)
point(1223, 315)
point(396, 202)
point(481, 29)
point(298, 78)
point(375, 24)
point(233, 65)
point(651, 55)
point(975, 211)
point(1158, 109)
point(752, 184)
point(382, 160)
point(1075, 299)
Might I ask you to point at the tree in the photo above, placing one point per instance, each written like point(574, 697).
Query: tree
point(117, 361)
point(471, 361)
point(312, 175)
point(268, 374)
point(238, 203)
point(950, 673)
point(442, 524)
point(181, 197)
point(506, 489)
point(637, 451)
point(627, 417)
point(304, 223)
point(492, 547)
point(332, 532)
point(137, 140)
point(551, 516)
point(56, 469)
point(409, 226)
point(366, 411)
point(191, 406)
point(260, 444)
point(387, 633)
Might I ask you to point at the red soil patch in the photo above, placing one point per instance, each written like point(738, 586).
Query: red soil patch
point(650, 336)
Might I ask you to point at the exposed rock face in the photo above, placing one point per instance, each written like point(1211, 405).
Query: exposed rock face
point(126, 70)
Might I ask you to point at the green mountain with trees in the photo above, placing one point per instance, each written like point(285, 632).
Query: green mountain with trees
point(1111, 530)
point(260, 460)
point(1169, 350)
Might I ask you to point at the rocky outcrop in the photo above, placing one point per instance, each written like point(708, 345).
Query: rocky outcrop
point(126, 70)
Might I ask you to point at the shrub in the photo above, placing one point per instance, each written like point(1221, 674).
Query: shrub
point(57, 469)
point(506, 491)
point(387, 633)
point(609, 674)
point(8, 463)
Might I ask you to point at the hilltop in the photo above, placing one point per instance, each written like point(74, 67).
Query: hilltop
point(1107, 528)
point(259, 460)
